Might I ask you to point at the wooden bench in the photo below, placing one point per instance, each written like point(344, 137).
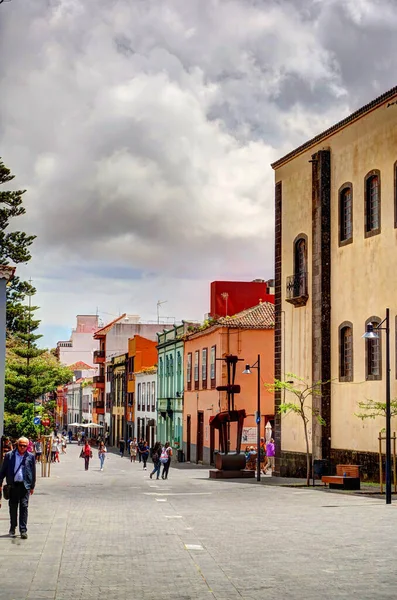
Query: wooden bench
point(347, 478)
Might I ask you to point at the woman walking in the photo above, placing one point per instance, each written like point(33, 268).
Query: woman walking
point(156, 460)
point(86, 453)
point(165, 458)
point(145, 454)
point(133, 450)
point(38, 449)
point(102, 454)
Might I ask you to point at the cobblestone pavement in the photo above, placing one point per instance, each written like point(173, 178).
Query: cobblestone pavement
point(118, 535)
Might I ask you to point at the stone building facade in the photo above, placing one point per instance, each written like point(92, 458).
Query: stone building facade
point(335, 254)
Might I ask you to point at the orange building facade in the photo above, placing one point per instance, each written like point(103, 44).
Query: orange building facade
point(142, 353)
point(245, 335)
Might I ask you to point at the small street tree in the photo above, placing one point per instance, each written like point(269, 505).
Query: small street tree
point(301, 391)
point(370, 409)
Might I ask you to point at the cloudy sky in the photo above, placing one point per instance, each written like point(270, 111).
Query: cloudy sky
point(144, 130)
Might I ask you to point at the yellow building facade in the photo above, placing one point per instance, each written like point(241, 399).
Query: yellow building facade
point(336, 258)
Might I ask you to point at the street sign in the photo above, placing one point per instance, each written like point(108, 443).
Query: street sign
point(37, 420)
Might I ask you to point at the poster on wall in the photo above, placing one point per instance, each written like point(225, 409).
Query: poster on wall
point(249, 435)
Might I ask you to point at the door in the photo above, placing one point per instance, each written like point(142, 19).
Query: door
point(200, 437)
point(188, 437)
point(212, 445)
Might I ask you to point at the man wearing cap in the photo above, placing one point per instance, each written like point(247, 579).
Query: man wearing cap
point(19, 470)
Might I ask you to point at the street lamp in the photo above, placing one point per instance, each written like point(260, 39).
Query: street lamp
point(247, 371)
point(371, 334)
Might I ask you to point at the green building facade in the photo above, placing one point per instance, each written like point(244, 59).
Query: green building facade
point(170, 385)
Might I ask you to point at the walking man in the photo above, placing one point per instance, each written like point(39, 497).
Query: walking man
point(19, 470)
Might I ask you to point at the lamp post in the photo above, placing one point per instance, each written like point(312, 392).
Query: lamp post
point(371, 334)
point(247, 371)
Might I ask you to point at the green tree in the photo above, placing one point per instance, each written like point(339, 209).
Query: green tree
point(31, 372)
point(301, 392)
point(370, 409)
point(14, 246)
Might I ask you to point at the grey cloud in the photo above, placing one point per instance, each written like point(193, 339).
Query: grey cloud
point(144, 130)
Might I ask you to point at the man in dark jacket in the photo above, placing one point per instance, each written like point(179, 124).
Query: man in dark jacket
point(19, 470)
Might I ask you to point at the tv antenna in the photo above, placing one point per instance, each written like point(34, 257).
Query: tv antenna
point(159, 303)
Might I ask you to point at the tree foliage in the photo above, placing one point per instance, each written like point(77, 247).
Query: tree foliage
point(31, 372)
point(370, 409)
point(301, 390)
point(14, 246)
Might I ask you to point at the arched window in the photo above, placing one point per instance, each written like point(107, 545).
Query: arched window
point(300, 257)
point(373, 352)
point(346, 214)
point(346, 351)
point(372, 203)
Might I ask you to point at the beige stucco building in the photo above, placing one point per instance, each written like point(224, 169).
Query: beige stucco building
point(336, 259)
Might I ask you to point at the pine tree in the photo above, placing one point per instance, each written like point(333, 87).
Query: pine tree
point(14, 247)
point(30, 370)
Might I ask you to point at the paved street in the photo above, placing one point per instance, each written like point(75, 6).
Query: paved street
point(120, 535)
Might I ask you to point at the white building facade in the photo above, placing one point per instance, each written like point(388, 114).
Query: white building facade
point(146, 405)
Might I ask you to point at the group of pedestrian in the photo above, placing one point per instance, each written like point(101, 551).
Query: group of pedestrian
point(161, 455)
point(267, 456)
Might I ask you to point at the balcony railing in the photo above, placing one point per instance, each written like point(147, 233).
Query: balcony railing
point(296, 289)
point(170, 405)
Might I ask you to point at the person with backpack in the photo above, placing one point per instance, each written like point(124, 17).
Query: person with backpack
point(156, 453)
point(165, 459)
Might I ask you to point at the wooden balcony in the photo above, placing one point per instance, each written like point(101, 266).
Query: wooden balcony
point(99, 382)
point(99, 357)
point(297, 289)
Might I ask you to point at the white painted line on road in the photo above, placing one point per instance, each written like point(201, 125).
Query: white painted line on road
point(193, 547)
point(161, 499)
point(173, 516)
point(178, 494)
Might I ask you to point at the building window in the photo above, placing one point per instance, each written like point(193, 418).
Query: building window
point(161, 367)
point(345, 214)
point(171, 365)
point(372, 203)
point(179, 363)
point(167, 366)
point(153, 396)
point(143, 395)
point(296, 290)
point(373, 352)
point(189, 371)
point(139, 396)
point(196, 369)
point(212, 367)
point(204, 368)
point(346, 352)
point(148, 396)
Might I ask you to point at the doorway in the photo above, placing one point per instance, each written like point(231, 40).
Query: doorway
point(188, 437)
point(200, 437)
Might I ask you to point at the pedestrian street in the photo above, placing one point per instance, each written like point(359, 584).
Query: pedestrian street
point(119, 535)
